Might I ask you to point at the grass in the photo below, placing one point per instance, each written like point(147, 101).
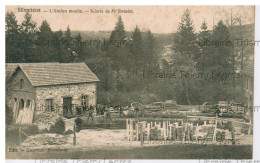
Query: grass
point(177, 151)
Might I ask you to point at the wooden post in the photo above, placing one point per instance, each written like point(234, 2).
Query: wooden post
point(74, 135)
point(141, 133)
point(183, 134)
point(127, 129)
point(137, 131)
point(215, 129)
point(176, 124)
point(164, 131)
point(188, 133)
point(148, 132)
point(170, 132)
point(131, 129)
point(167, 128)
point(188, 129)
point(20, 135)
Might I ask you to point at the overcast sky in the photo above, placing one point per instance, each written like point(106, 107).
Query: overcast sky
point(159, 19)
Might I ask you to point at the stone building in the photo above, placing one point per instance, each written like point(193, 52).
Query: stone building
point(53, 87)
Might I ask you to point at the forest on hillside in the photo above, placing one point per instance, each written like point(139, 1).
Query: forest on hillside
point(123, 59)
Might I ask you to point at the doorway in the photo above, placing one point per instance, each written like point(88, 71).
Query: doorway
point(67, 101)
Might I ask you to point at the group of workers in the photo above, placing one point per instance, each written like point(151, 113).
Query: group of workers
point(100, 111)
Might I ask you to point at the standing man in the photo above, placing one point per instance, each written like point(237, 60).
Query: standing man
point(102, 110)
point(90, 113)
point(120, 111)
point(108, 116)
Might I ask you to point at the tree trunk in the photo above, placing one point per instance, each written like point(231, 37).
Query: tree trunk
point(187, 97)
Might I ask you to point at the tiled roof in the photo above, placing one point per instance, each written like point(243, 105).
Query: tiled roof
point(9, 69)
point(41, 74)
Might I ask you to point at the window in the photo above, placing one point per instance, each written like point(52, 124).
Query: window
point(21, 104)
point(28, 103)
point(49, 105)
point(21, 83)
point(84, 101)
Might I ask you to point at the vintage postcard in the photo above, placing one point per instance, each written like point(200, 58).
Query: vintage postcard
point(129, 82)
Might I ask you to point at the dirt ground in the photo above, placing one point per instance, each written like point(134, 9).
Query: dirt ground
point(91, 139)
point(96, 139)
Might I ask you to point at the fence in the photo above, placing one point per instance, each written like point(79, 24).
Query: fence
point(181, 132)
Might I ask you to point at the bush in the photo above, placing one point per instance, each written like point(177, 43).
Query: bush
point(68, 132)
point(31, 130)
point(58, 127)
point(43, 131)
point(79, 123)
point(8, 115)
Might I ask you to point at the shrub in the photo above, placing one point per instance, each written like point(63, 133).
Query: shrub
point(8, 115)
point(58, 127)
point(31, 129)
point(43, 131)
point(68, 132)
point(79, 123)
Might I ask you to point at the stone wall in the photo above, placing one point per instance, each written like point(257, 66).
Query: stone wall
point(58, 92)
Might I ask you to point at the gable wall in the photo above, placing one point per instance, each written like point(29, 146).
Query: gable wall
point(13, 90)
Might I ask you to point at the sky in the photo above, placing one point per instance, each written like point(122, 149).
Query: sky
point(159, 19)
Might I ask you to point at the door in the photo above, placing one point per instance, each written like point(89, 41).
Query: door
point(67, 110)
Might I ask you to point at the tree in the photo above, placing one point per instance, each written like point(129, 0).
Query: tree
point(28, 31)
point(136, 50)
point(186, 54)
point(119, 31)
point(150, 58)
point(59, 47)
point(68, 37)
point(78, 48)
point(204, 38)
point(117, 53)
point(12, 38)
point(222, 47)
point(45, 40)
point(68, 46)
point(185, 38)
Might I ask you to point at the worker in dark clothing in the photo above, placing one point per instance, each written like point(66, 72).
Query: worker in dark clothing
point(98, 110)
point(233, 136)
point(84, 108)
point(120, 111)
point(70, 110)
point(78, 110)
point(102, 110)
point(108, 116)
point(90, 113)
point(217, 111)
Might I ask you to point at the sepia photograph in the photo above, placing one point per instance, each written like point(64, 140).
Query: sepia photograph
point(129, 82)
